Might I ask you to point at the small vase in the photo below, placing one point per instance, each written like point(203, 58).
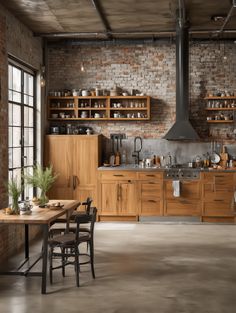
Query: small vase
point(15, 206)
point(43, 199)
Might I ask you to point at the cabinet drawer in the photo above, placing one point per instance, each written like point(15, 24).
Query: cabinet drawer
point(188, 190)
point(221, 180)
point(117, 175)
point(184, 207)
point(150, 207)
point(151, 189)
point(219, 195)
point(150, 176)
point(217, 208)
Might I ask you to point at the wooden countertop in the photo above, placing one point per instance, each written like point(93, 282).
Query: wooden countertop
point(40, 215)
point(137, 168)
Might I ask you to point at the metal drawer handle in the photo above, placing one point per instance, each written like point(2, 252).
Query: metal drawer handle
point(152, 201)
point(120, 175)
point(219, 200)
point(149, 175)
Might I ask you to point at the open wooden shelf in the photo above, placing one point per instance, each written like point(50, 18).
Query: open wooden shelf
point(128, 108)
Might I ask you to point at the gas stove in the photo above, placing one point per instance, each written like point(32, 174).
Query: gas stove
point(181, 173)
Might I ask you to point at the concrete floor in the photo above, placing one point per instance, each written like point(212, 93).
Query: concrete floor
point(141, 268)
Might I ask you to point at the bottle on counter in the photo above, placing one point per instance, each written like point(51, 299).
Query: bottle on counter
point(158, 161)
point(154, 160)
point(117, 158)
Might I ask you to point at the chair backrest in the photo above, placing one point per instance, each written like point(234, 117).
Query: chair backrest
point(87, 204)
point(88, 218)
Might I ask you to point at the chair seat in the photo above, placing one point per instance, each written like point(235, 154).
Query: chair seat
point(59, 228)
point(68, 239)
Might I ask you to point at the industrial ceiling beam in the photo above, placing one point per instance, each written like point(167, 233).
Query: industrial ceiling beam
point(103, 18)
point(227, 18)
point(130, 33)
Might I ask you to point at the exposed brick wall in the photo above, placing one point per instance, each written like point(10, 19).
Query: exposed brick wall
point(17, 40)
point(149, 68)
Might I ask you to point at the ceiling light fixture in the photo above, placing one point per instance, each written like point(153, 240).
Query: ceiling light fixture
point(42, 76)
point(218, 18)
point(82, 67)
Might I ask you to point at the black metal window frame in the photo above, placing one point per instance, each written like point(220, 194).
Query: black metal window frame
point(24, 69)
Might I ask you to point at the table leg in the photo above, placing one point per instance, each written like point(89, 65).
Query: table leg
point(44, 258)
point(26, 241)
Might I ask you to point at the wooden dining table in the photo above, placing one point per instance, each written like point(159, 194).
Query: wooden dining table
point(45, 218)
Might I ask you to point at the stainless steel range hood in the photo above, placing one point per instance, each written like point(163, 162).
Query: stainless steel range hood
point(182, 128)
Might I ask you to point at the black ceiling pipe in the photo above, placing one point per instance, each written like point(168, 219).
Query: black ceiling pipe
point(182, 129)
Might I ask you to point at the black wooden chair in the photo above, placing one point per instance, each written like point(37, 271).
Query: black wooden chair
point(66, 247)
point(59, 226)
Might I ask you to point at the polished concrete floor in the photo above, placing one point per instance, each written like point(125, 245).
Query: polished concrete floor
point(141, 268)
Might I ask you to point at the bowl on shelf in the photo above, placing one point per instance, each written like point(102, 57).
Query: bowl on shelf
point(54, 115)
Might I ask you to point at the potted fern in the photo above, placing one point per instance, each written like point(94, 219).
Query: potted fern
point(14, 190)
point(42, 178)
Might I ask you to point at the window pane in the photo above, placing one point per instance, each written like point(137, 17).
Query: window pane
point(26, 99)
point(10, 137)
point(28, 188)
point(16, 136)
point(16, 96)
point(9, 113)
point(28, 117)
point(15, 157)
point(10, 164)
point(10, 77)
point(28, 156)
point(28, 137)
point(10, 95)
point(16, 79)
point(16, 115)
point(28, 84)
point(31, 101)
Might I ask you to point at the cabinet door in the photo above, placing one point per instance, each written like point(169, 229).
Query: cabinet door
point(218, 194)
point(109, 198)
point(85, 164)
point(127, 198)
point(58, 154)
point(189, 189)
point(188, 204)
point(85, 160)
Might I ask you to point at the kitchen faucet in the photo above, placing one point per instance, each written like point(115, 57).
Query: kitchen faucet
point(136, 152)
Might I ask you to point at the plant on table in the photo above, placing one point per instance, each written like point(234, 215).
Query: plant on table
point(14, 188)
point(42, 178)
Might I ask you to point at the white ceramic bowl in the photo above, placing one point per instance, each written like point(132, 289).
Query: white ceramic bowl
point(85, 93)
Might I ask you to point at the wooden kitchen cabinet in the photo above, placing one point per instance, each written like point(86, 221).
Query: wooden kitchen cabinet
point(189, 202)
point(117, 192)
point(218, 196)
point(150, 192)
point(75, 158)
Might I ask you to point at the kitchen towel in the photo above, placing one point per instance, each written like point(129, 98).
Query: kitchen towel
point(176, 188)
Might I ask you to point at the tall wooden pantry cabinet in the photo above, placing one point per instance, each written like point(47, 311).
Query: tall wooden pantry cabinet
point(75, 158)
